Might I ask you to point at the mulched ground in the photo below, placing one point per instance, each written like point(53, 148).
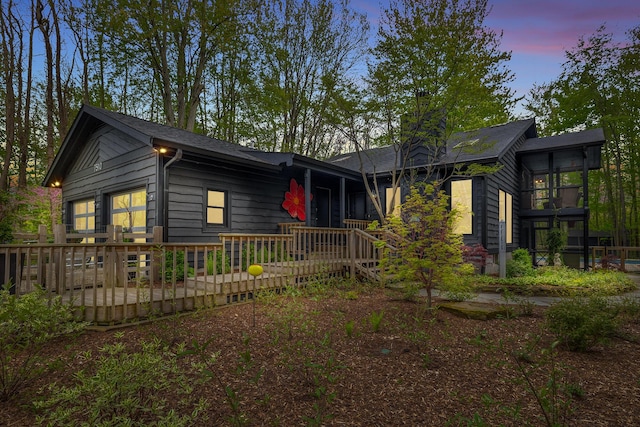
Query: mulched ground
point(319, 361)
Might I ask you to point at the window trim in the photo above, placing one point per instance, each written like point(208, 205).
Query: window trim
point(111, 210)
point(226, 209)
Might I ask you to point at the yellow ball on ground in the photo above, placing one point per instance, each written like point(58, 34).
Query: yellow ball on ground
point(255, 270)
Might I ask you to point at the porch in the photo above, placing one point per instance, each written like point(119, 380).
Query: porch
point(118, 281)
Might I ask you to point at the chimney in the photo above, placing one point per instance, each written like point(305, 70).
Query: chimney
point(422, 132)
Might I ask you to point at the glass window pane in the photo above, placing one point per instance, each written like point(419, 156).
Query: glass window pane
point(215, 198)
point(462, 201)
point(389, 195)
point(80, 208)
point(509, 217)
point(215, 216)
point(139, 198)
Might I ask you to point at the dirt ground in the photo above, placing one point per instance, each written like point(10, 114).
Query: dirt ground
point(367, 357)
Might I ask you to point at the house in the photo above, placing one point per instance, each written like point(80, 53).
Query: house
point(117, 169)
point(541, 183)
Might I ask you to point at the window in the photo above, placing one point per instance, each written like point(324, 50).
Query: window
point(462, 201)
point(216, 207)
point(389, 197)
point(84, 219)
point(506, 214)
point(130, 210)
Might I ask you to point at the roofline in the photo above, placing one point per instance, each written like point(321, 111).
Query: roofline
point(324, 166)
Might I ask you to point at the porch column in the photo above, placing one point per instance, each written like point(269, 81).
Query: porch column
point(307, 196)
point(585, 208)
point(343, 198)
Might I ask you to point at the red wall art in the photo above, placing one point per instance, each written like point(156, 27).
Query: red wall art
point(294, 200)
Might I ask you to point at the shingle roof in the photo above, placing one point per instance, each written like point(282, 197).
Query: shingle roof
point(566, 140)
point(482, 145)
point(151, 133)
point(178, 138)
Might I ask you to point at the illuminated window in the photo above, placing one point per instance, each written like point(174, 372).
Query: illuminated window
point(130, 211)
point(461, 200)
point(506, 214)
point(389, 196)
point(84, 218)
point(216, 207)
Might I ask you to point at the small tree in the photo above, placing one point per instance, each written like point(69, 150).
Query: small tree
point(428, 251)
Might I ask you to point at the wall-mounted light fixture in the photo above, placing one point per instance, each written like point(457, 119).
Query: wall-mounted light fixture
point(162, 150)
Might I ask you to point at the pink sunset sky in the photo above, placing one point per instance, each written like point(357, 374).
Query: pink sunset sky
point(538, 32)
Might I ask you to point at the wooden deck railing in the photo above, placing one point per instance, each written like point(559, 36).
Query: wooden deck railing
point(361, 224)
point(621, 255)
point(112, 282)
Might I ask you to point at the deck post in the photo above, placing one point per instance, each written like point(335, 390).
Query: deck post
point(352, 253)
point(108, 265)
point(156, 260)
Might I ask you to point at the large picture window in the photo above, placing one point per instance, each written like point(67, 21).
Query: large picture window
point(130, 210)
point(393, 201)
point(84, 217)
point(216, 207)
point(461, 200)
point(506, 214)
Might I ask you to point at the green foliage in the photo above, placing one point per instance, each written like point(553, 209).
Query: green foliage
point(219, 269)
point(124, 388)
point(442, 50)
point(553, 397)
point(556, 241)
point(174, 268)
point(27, 323)
point(581, 323)
point(8, 207)
point(265, 254)
point(565, 281)
point(349, 327)
point(520, 264)
point(598, 88)
point(375, 320)
point(460, 287)
point(428, 251)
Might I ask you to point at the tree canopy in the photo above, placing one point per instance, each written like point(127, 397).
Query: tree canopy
point(599, 86)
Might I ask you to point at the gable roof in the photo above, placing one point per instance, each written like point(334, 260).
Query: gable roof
point(483, 145)
point(590, 137)
point(154, 134)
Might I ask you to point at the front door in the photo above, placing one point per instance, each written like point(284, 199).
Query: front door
point(323, 207)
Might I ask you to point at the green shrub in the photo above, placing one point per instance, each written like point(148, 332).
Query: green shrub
point(460, 287)
point(27, 323)
point(581, 323)
point(177, 270)
point(124, 388)
point(265, 254)
point(520, 264)
point(218, 263)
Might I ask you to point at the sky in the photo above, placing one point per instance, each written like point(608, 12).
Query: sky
point(538, 32)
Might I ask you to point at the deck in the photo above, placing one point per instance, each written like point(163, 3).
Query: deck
point(115, 282)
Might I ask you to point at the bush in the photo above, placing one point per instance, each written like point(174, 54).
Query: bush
point(125, 388)
point(169, 271)
point(27, 323)
point(475, 255)
point(218, 263)
point(520, 264)
point(461, 286)
point(581, 323)
point(265, 254)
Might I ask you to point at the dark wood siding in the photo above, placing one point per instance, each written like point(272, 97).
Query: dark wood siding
point(254, 201)
point(123, 164)
point(507, 179)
